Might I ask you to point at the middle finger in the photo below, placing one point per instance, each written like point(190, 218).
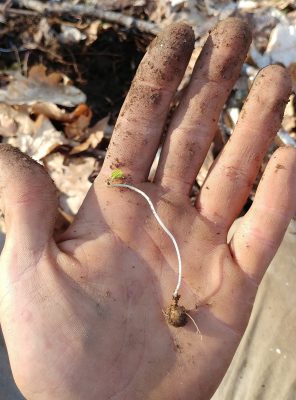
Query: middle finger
point(194, 123)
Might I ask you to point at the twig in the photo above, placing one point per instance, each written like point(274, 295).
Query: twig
point(17, 56)
point(21, 12)
point(25, 63)
point(5, 6)
point(89, 11)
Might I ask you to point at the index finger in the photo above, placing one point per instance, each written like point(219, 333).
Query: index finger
point(137, 132)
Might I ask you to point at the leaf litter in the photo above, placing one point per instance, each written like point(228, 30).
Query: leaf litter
point(64, 78)
point(41, 87)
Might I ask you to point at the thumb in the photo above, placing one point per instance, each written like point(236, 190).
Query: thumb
point(28, 201)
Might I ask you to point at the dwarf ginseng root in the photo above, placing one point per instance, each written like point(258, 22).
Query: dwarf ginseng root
point(175, 314)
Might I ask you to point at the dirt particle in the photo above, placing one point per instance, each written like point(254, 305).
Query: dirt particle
point(155, 98)
point(99, 310)
point(177, 346)
point(279, 106)
point(227, 68)
point(279, 166)
point(243, 114)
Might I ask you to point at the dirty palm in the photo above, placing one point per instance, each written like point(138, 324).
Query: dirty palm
point(82, 315)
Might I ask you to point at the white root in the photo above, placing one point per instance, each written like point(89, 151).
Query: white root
point(195, 324)
point(147, 198)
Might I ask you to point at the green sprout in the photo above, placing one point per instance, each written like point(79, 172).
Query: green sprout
point(117, 174)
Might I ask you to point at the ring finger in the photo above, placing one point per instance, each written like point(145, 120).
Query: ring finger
point(230, 180)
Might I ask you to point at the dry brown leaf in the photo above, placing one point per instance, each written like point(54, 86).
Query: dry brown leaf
point(91, 142)
point(92, 31)
point(81, 117)
point(50, 110)
point(14, 122)
point(39, 87)
point(71, 179)
point(38, 74)
point(56, 113)
point(43, 141)
point(96, 134)
point(203, 172)
point(289, 120)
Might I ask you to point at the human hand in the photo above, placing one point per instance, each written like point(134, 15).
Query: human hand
point(83, 316)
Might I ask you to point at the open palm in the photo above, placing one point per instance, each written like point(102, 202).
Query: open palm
point(83, 316)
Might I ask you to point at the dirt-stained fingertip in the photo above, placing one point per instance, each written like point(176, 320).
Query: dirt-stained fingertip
point(277, 76)
point(233, 30)
point(286, 153)
point(173, 36)
point(16, 165)
point(224, 51)
point(270, 92)
point(168, 54)
point(10, 156)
